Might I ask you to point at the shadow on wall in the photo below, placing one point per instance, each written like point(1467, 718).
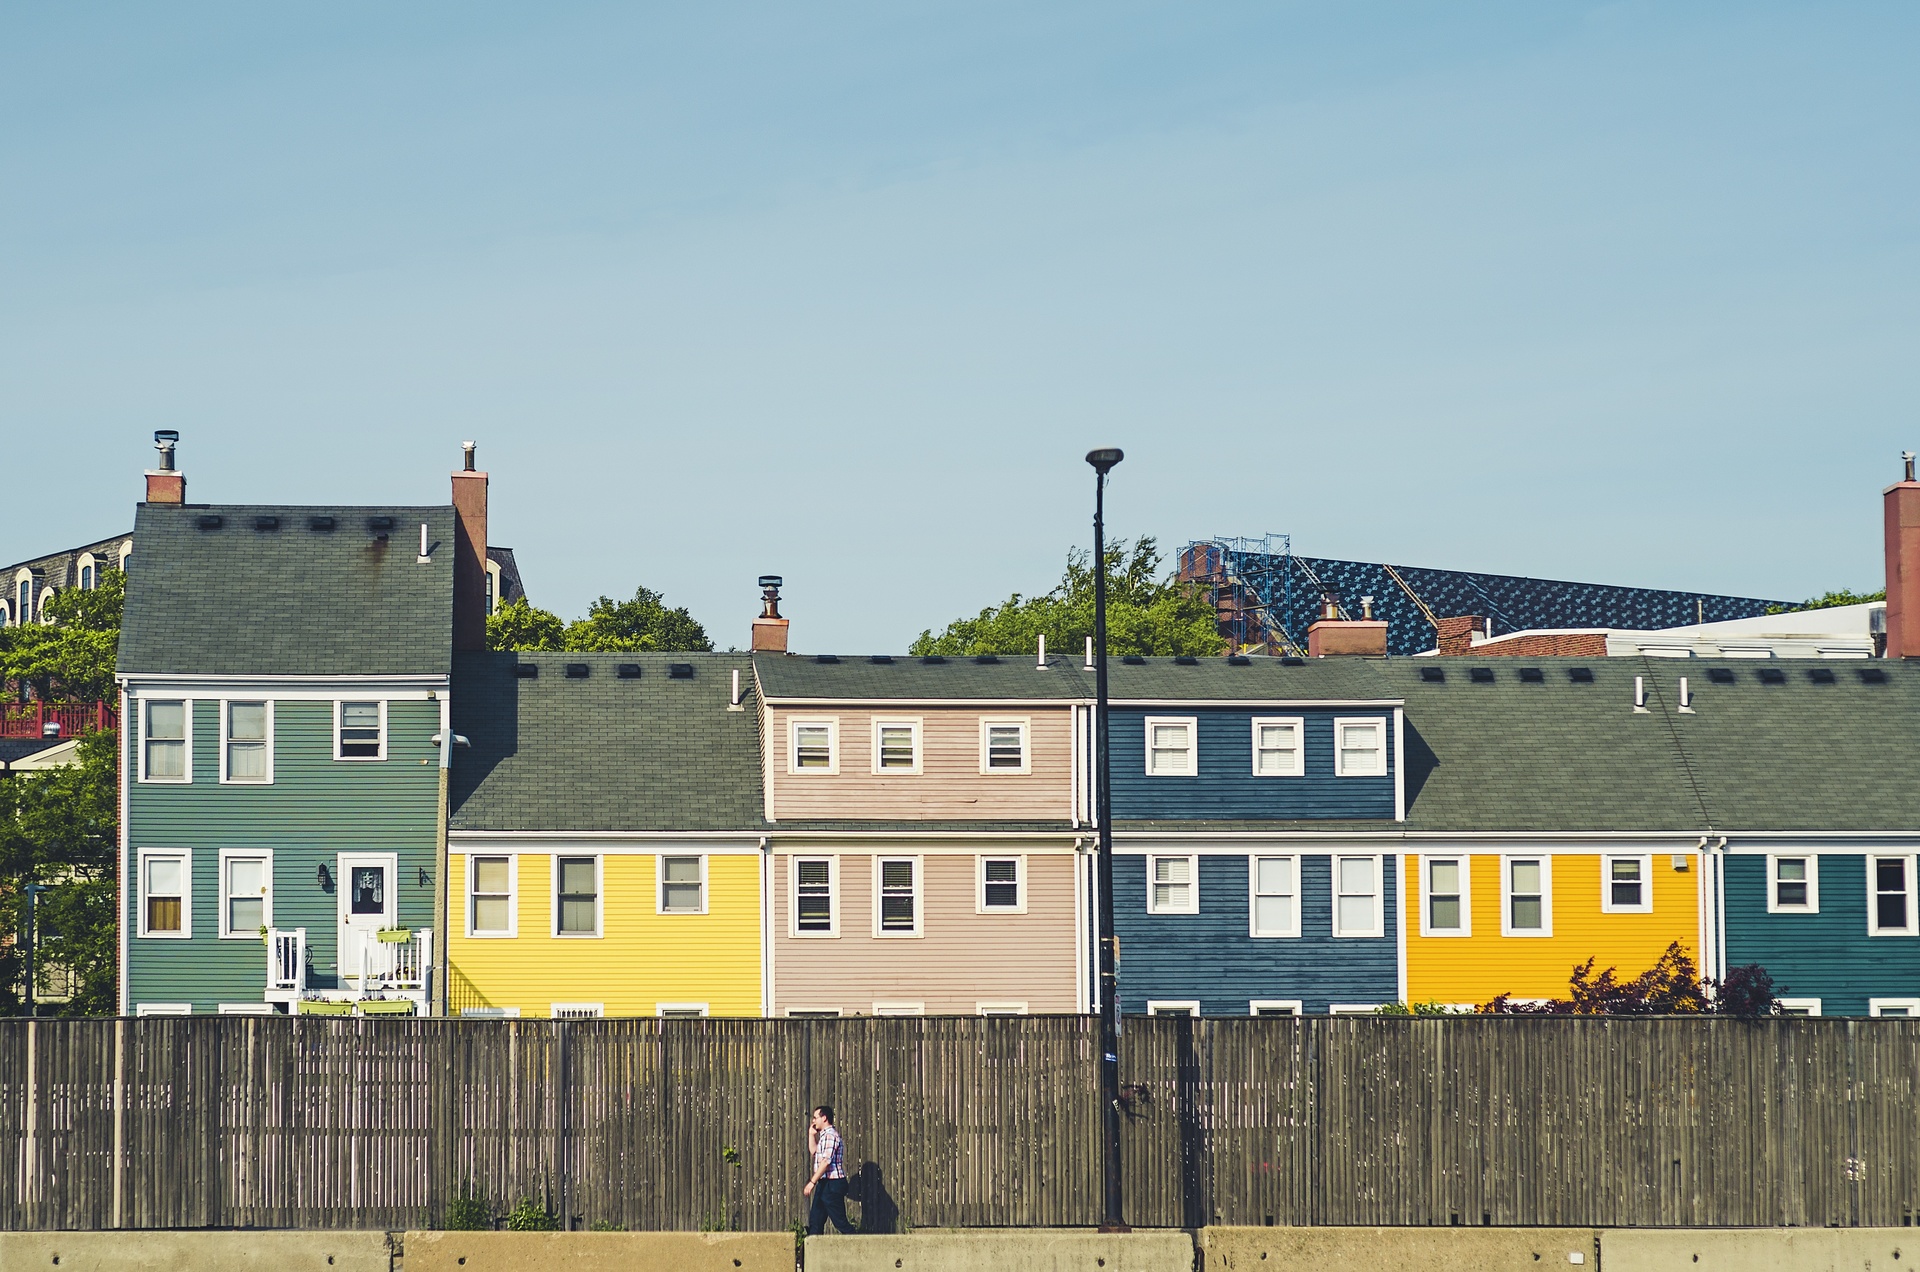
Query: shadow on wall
point(1419, 762)
point(878, 1213)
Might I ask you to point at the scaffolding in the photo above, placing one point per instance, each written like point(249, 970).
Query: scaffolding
point(1250, 582)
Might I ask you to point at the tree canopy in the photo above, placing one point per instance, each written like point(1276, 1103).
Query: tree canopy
point(641, 624)
point(1828, 600)
point(60, 827)
point(1146, 614)
point(71, 657)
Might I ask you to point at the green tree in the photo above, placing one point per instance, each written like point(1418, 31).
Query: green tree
point(643, 623)
point(1146, 614)
point(70, 657)
point(1828, 600)
point(522, 625)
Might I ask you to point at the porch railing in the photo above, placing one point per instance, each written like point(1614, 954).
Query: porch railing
point(30, 719)
point(286, 964)
point(388, 965)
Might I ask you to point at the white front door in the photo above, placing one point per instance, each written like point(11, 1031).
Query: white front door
point(365, 892)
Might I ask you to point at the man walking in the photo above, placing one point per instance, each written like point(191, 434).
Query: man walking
point(828, 1186)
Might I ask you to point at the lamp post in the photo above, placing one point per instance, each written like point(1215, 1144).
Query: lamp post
point(1103, 462)
point(33, 891)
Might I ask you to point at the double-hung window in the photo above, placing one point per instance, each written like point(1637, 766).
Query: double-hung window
point(1278, 749)
point(683, 887)
point(1356, 897)
point(1527, 896)
point(576, 901)
point(1275, 884)
point(164, 750)
point(247, 754)
point(490, 896)
point(1173, 885)
point(1793, 883)
point(815, 902)
point(1003, 746)
point(246, 894)
point(1171, 747)
point(1448, 911)
point(896, 746)
point(360, 731)
point(897, 882)
point(166, 899)
point(1360, 747)
point(1003, 885)
point(814, 746)
point(1890, 896)
point(1626, 885)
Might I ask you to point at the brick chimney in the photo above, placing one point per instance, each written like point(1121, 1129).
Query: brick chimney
point(1901, 503)
point(166, 484)
point(1335, 635)
point(770, 630)
point(469, 555)
point(1454, 636)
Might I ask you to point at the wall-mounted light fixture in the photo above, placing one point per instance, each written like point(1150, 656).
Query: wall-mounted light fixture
point(323, 878)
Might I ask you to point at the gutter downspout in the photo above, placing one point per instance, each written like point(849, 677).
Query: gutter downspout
point(766, 925)
point(443, 955)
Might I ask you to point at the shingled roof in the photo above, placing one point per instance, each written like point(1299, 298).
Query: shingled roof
point(245, 589)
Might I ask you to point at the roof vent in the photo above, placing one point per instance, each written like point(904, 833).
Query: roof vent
point(209, 521)
point(379, 525)
point(1772, 676)
point(323, 524)
point(1820, 675)
point(266, 523)
point(1873, 675)
point(931, 660)
point(1185, 660)
point(1720, 675)
point(819, 658)
point(1239, 660)
point(1580, 675)
point(527, 671)
point(1133, 660)
point(1532, 676)
point(679, 671)
point(1434, 675)
point(627, 671)
point(1292, 661)
point(1480, 675)
point(578, 671)
point(881, 660)
point(986, 660)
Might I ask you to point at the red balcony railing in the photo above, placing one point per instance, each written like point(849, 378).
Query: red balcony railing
point(55, 720)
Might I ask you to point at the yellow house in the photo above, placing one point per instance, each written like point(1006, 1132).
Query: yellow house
point(1518, 918)
point(605, 837)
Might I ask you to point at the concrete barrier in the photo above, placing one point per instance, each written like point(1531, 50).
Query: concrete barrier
point(599, 1251)
point(1759, 1249)
point(1004, 1250)
point(1412, 1249)
point(163, 1251)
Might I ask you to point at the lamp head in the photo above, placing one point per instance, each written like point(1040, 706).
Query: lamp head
point(1103, 460)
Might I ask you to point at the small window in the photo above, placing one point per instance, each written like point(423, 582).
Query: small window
point(163, 1009)
point(578, 1011)
point(682, 1011)
point(490, 1013)
point(815, 746)
point(490, 885)
point(1274, 1007)
point(1276, 896)
point(1003, 747)
point(1170, 748)
point(1161, 1007)
point(1626, 885)
point(165, 904)
point(249, 756)
point(1172, 887)
point(1360, 748)
point(814, 910)
point(577, 896)
point(683, 885)
point(813, 1013)
point(1003, 885)
point(1353, 1009)
point(1890, 899)
point(1793, 884)
point(896, 746)
point(1356, 899)
point(1798, 1006)
point(899, 907)
point(1526, 911)
point(1902, 1008)
point(362, 731)
point(164, 748)
point(1277, 748)
point(245, 901)
point(1447, 912)
point(899, 1009)
point(89, 574)
point(1001, 1008)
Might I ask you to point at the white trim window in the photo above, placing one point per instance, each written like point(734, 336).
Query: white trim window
point(360, 729)
point(1003, 885)
point(813, 1013)
point(246, 747)
point(1357, 908)
point(816, 896)
point(1894, 1008)
point(166, 740)
point(813, 746)
point(1353, 1009)
point(166, 893)
point(896, 896)
point(1273, 888)
point(682, 885)
point(1626, 885)
point(576, 896)
point(896, 747)
point(246, 893)
point(576, 1011)
point(491, 908)
point(1173, 1007)
point(899, 1009)
point(247, 1009)
point(1526, 896)
point(681, 1011)
point(1275, 1007)
point(1001, 1008)
point(163, 1009)
point(1279, 746)
point(1172, 746)
point(1798, 1006)
point(1173, 884)
point(1005, 746)
point(1447, 901)
point(489, 1013)
point(89, 572)
point(1890, 896)
point(1793, 883)
point(1360, 746)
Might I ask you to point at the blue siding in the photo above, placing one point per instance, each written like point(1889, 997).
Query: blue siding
point(1828, 955)
point(1210, 957)
point(1226, 788)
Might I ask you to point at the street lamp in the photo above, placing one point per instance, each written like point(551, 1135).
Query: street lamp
point(33, 891)
point(1103, 462)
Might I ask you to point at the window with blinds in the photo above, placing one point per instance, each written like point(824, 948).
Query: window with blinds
point(899, 895)
point(813, 901)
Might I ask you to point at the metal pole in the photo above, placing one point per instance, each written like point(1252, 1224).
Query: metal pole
point(33, 891)
point(1103, 814)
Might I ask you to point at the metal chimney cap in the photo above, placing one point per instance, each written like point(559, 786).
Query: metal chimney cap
point(165, 436)
point(467, 448)
point(771, 580)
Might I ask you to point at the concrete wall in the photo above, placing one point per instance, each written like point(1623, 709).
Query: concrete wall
point(1426, 1249)
point(142, 1251)
point(599, 1251)
point(1004, 1250)
point(1759, 1249)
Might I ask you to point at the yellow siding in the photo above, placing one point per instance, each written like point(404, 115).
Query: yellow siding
point(640, 960)
point(1473, 969)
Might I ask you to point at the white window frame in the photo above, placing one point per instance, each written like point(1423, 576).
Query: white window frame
point(1173, 1007)
point(896, 1008)
point(1354, 1009)
point(1813, 885)
point(1025, 725)
point(1193, 882)
point(915, 725)
point(339, 723)
point(247, 1009)
point(265, 857)
point(1607, 905)
point(833, 898)
point(513, 897)
point(1340, 725)
point(1806, 1006)
point(599, 896)
point(660, 883)
point(832, 726)
point(1873, 860)
point(186, 899)
point(815, 1013)
point(576, 1011)
point(163, 1009)
point(86, 562)
point(226, 741)
point(1878, 1006)
point(1000, 1008)
point(1276, 1007)
point(1292, 931)
point(186, 759)
point(680, 1011)
point(1299, 726)
point(919, 928)
point(490, 1013)
point(1379, 927)
point(1465, 863)
point(980, 905)
point(1546, 895)
point(1192, 724)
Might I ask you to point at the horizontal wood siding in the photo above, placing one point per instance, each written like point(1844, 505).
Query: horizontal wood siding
point(315, 808)
point(950, 785)
point(1225, 787)
point(1210, 956)
point(962, 960)
point(1828, 955)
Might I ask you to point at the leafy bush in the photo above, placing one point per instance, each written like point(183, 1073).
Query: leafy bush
point(529, 1215)
point(1673, 986)
point(468, 1213)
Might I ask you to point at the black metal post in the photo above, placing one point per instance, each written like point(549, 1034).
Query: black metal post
point(1103, 461)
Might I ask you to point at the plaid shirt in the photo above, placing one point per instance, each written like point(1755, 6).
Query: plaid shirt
point(827, 1148)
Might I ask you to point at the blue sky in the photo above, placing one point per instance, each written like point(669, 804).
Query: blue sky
point(1620, 292)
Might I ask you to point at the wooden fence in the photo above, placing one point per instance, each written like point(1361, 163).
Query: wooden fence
point(275, 1122)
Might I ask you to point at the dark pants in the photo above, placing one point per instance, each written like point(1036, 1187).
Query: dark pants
point(829, 1202)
